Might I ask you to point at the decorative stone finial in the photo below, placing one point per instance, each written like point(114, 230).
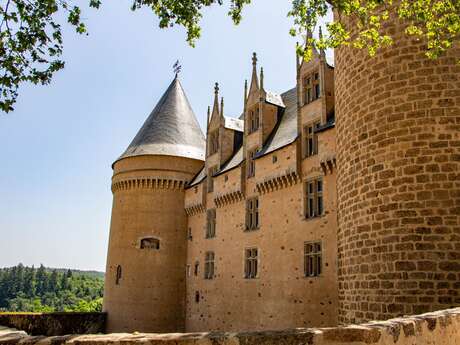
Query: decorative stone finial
point(261, 77)
point(245, 90)
point(222, 106)
point(216, 98)
point(254, 79)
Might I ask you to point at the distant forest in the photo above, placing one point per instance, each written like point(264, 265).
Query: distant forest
point(45, 289)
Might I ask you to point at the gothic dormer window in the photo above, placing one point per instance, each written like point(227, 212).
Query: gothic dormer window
point(213, 142)
point(253, 120)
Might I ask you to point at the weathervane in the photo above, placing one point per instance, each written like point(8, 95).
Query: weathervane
point(177, 67)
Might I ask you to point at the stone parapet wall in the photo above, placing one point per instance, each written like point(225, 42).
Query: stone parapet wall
point(55, 323)
point(439, 328)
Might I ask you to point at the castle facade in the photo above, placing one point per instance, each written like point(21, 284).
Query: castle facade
point(279, 218)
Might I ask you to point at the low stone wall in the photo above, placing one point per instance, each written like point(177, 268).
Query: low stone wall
point(51, 324)
point(438, 328)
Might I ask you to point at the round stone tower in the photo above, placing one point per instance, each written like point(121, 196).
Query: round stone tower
point(398, 143)
point(145, 274)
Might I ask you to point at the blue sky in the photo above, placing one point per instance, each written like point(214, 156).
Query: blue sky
point(59, 143)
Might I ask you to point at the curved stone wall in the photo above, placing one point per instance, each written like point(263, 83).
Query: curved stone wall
point(398, 143)
point(145, 280)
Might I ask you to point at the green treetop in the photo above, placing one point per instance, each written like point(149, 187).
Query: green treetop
point(31, 40)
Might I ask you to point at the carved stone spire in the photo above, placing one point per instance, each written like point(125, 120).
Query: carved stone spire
point(245, 91)
point(261, 78)
point(254, 80)
point(216, 99)
point(222, 106)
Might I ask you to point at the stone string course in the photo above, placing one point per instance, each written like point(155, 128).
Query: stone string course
point(437, 328)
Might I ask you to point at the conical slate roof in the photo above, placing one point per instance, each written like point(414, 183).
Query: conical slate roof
point(171, 129)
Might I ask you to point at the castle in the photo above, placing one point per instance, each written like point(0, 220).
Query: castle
point(335, 202)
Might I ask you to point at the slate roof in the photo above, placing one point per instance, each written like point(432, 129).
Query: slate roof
point(171, 129)
point(283, 134)
point(286, 130)
point(235, 124)
point(198, 178)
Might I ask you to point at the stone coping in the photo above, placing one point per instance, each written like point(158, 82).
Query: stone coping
point(439, 328)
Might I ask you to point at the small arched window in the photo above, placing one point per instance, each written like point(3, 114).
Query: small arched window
point(150, 243)
point(118, 275)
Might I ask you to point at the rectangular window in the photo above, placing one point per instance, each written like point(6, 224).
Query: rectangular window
point(210, 178)
point(311, 88)
point(307, 98)
point(317, 92)
point(313, 259)
point(211, 223)
point(209, 265)
point(197, 268)
point(314, 198)
point(253, 120)
point(251, 263)
point(213, 142)
point(252, 214)
point(311, 139)
point(251, 163)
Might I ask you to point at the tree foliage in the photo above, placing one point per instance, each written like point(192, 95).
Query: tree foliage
point(45, 290)
point(31, 40)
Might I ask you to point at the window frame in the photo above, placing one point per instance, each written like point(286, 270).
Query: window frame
point(314, 198)
point(213, 142)
point(118, 275)
point(251, 263)
point(210, 223)
point(311, 85)
point(209, 265)
point(251, 168)
point(311, 143)
point(313, 259)
point(196, 268)
point(154, 240)
point(252, 214)
point(210, 183)
point(254, 120)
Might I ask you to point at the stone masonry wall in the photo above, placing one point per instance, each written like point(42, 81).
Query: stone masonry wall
point(439, 328)
point(398, 185)
point(55, 323)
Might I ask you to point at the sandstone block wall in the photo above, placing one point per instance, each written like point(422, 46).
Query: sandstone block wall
point(398, 185)
point(148, 202)
point(439, 328)
point(281, 296)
